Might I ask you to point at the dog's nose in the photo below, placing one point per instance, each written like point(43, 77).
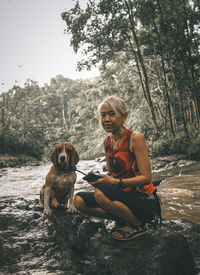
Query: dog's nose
point(62, 158)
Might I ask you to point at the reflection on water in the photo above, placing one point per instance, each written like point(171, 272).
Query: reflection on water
point(180, 191)
point(27, 181)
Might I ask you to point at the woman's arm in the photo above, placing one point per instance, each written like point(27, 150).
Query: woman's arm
point(139, 149)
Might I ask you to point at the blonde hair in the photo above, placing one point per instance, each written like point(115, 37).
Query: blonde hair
point(115, 103)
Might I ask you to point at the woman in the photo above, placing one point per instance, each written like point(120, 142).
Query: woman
point(125, 194)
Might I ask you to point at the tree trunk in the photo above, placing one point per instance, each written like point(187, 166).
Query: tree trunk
point(166, 97)
point(3, 125)
point(180, 100)
point(63, 114)
point(140, 64)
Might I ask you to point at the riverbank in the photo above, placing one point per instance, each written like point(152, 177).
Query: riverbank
point(158, 162)
point(66, 243)
point(34, 243)
point(179, 181)
point(8, 160)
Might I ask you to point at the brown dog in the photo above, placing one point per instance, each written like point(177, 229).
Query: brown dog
point(59, 184)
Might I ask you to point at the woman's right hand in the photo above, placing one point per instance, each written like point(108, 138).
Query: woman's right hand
point(105, 178)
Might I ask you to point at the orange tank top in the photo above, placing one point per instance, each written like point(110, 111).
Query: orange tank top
point(122, 164)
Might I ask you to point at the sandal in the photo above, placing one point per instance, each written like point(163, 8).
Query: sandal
point(127, 235)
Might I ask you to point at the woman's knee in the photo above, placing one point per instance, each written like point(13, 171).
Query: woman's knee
point(79, 203)
point(101, 199)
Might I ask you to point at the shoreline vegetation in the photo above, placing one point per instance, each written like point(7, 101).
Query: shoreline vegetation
point(10, 160)
point(33, 119)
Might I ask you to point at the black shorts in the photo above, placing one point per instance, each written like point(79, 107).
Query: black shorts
point(143, 209)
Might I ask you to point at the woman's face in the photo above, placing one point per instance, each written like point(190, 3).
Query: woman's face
point(110, 120)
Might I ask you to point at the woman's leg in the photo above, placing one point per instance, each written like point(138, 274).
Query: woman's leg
point(120, 211)
point(115, 208)
point(91, 211)
point(109, 202)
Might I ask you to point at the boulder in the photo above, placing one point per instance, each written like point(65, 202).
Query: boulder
point(65, 243)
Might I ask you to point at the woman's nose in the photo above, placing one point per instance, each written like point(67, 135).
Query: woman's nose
point(107, 118)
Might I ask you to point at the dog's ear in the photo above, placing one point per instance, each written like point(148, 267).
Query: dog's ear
point(74, 157)
point(54, 157)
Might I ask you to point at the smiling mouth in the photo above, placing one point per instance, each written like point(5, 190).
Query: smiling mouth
point(107, 125)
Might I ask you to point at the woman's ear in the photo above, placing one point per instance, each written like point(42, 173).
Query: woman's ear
point(74, 157)
point(125, 117)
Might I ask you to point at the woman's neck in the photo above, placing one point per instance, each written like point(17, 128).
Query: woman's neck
point(119, 134)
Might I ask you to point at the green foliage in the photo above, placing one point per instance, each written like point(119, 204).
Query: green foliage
point(20, 138)
point(158, 39)
point(36, 125)
point(148, 53)
point(162, 144)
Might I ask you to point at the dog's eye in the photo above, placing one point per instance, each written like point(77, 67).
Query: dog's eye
point(68, 151)
point(59, 150)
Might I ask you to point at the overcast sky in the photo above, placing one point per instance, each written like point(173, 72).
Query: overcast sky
point(33, 44)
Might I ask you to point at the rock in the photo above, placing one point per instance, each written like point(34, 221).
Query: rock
point(170, 162)
point(65, 243)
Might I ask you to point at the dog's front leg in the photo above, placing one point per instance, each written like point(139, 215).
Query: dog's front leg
point(47, 209)
point(41, 201)
point(72, 208)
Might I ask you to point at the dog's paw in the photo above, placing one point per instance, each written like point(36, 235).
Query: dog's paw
point(47, 211)
point(55, 205)
point(41, 204)
point(72, 209)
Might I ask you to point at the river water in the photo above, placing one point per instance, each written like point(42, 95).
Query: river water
point(179, 190)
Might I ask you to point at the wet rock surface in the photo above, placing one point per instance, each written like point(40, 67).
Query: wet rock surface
point(169, 162)
point(64, 243)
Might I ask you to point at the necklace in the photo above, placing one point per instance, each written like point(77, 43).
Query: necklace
point(113, 162)
point(118, 141)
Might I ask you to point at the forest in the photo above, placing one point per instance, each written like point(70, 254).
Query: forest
point(148, 53)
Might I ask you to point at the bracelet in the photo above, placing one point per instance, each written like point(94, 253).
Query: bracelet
point(120, 184)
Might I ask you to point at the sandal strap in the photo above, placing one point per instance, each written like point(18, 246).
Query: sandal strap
point(139, 228)
point(126, 235)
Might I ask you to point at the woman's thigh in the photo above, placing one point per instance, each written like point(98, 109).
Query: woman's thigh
point(89, 199)
point(143, 209)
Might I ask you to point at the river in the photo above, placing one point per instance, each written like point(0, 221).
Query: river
point(179, 190)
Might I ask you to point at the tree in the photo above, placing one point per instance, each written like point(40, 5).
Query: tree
point(171, 36)
point(153, 35)
point(106, 29)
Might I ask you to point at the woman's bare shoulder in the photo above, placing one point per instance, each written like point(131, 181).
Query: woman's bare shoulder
point(138, 142)
point(137, 136)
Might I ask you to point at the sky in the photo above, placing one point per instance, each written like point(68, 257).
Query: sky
point(33, 44)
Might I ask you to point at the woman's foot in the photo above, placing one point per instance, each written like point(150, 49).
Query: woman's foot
point(127, 232)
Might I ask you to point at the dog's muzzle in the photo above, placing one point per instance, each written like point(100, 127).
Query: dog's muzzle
point(62, 158)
